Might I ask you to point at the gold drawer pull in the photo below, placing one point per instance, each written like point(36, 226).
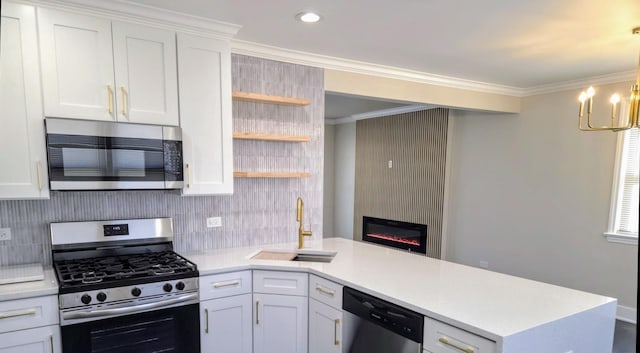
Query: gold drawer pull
point(206, 318)
point(51, 341)
point(125, 109)
point(444, 340)
point(336, 341)
point(330, 293)
point(38, 175)
point(226, 284)
point(109, 99)
point(257, 312)
point(188, 170)
point(13, 314)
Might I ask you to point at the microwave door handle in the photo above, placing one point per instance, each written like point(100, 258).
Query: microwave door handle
point(129, 309)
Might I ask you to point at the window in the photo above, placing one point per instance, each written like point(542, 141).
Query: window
point(625, 195)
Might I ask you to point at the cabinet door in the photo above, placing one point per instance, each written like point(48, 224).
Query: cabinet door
point(22, 148)
point(279, 323)
point(77, 65)
point(226, 325)
point(146, 74)
point(36, 340)
point(325, 328)
point(204, 79)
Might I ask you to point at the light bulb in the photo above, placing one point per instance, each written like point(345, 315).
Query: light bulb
point(583, 97)
point(590, 92)
point(308, 17)
point(615, 98)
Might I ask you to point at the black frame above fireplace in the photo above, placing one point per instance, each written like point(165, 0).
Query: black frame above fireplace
point(397, 234)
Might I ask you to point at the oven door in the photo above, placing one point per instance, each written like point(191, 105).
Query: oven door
point(168, 330)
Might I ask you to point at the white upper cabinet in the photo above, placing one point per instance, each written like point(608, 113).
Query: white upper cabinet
point(95, 69)
point(77, 65)
point(23, 174)
point(204, 71)
point(146, 74)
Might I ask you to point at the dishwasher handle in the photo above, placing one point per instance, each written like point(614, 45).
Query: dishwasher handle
point(391, 316)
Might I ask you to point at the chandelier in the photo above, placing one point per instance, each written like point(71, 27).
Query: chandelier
point(617, 124)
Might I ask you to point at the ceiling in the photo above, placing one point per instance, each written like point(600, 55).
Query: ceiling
point(338, 106)
point(521, 44)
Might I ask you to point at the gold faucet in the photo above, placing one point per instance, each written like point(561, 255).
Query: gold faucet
point(300, 218)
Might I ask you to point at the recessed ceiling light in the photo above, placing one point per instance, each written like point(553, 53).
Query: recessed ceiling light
point(308, 17)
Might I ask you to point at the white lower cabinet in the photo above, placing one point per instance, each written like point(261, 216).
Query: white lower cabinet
point(280, 323)
point(281, 316)
point(226, 312)
point(325, 328)
point(443, 338)
point(36, 340)
point(30, 325)
point(226, 325)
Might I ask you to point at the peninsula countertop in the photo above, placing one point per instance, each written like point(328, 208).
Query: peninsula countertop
point(487, 303)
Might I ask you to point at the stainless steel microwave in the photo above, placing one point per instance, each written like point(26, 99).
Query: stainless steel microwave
point(99, 155)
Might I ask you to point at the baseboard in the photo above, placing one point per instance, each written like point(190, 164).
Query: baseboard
point(626, 314)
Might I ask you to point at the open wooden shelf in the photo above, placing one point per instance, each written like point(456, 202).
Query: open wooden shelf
point(271, 174)
point(265, 98)
point(270, 137)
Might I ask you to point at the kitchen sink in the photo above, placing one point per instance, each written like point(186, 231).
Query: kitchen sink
point(304, 255)
point(313, 258)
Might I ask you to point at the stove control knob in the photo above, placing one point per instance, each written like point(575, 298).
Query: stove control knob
point(101, 297)
point(136, 292)
point(167, 287)
point(180, 285)
point(85, 299)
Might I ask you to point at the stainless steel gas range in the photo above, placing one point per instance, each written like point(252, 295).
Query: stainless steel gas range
point(123, 288)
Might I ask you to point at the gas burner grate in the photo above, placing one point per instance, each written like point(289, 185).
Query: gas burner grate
point(113, 268)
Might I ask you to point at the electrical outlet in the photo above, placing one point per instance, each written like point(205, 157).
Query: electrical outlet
point(213, 222)
point(484, 264)
point(5, 234)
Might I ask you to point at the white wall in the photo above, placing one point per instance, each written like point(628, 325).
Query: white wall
point(329, 181)
point(345, 171)
point(530, 194)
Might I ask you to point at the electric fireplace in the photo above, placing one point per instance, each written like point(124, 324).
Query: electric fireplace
point(401, 235)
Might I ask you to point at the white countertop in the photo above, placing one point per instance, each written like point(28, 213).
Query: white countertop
point(47, 286)
point(487, 303)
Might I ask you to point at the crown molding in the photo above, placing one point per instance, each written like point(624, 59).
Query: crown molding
point(625, 76)
point(127, 11)
point(361, 67)
point(379, 113)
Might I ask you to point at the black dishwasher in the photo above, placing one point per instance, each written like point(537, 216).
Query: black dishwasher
point(380, 326)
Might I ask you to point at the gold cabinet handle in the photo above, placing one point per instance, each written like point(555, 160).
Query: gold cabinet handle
point(257, 312)
point(446, 341)
point(325, 291)
point(226, 284)
point(206, 320)
point(123, 92)
point(13, 314)
point(38, 175)
point(188, 171)
point(109, 99)
point(336, 341)
point(51, 341)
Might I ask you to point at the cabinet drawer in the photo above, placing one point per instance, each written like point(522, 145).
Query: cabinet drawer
point(442, 338)
point(276, 282)
point(225, 284)
point(27, 313)
point(325, 291)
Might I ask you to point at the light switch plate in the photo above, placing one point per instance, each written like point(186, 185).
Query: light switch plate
point(5, 234)
point(213, 222)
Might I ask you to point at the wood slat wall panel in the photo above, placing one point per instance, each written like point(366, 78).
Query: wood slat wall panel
point(413, 189)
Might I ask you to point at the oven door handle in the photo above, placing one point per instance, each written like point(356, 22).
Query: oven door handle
point(129, 309)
